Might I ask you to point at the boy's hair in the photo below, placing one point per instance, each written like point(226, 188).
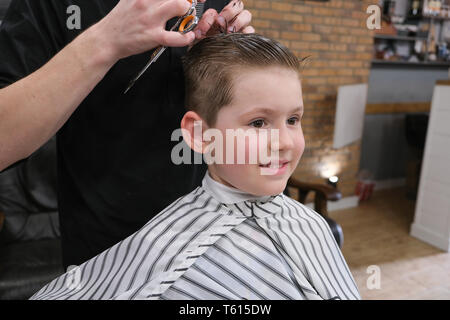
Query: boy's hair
point(210, 64)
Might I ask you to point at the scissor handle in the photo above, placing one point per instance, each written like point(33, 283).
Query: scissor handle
point(188, 23)
point(184, 24)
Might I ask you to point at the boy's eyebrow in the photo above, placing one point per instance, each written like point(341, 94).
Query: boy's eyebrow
point(271, 111)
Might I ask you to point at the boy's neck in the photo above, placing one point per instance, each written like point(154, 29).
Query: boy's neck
point(227, 193)
point(219, 179)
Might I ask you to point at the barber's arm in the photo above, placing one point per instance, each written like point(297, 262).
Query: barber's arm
point(34, 108)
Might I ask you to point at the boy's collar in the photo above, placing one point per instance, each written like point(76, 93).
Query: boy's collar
point(229, 195)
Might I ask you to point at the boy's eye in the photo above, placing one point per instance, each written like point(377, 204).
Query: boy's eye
point(257, 123)
point(293, 120)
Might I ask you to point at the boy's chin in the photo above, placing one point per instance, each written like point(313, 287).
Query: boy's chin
point(271, 189)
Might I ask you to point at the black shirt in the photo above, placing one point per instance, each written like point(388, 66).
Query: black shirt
point(114, 153)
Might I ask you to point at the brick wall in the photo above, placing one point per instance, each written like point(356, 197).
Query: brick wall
point(335, 36)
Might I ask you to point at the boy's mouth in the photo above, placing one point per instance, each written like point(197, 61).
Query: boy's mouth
point(275, 165)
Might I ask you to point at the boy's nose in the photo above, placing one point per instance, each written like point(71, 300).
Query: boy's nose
point(285, 140)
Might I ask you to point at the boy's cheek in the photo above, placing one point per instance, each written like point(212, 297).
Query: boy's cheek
point(300, 143)
point(257, 148)
point(252, 149)
point(241, 149)
point(247, 149)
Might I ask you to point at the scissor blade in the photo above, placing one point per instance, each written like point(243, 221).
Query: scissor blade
point(129, 86)
point(156, 54)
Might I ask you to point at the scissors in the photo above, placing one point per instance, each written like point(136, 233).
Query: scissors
point(184, 24)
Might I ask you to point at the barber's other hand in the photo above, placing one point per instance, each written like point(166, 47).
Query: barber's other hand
point(136, 26)
point(233, 18)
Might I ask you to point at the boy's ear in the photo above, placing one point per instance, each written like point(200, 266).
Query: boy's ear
point(192, 127)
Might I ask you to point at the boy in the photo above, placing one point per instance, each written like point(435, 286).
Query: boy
point(237, 236)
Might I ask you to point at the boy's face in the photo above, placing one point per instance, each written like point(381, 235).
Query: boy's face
point(267, 100)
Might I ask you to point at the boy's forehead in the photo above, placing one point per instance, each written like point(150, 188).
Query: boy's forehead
point(267, 90)
point(271, 110)
point(268, 79)
point(241, 71)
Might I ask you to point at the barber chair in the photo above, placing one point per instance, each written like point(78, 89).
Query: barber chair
point(30, 250)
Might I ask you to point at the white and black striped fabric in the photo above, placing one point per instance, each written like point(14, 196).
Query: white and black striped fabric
point(217, 242)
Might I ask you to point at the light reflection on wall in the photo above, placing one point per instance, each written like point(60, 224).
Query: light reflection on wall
point(329, 169)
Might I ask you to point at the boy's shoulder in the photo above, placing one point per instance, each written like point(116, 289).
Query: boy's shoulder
point(197, 199)
point(303, 211)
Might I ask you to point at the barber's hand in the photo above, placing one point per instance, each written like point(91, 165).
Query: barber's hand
point(233, 18)
point(136, 26)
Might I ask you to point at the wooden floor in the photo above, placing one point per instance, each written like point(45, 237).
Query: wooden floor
point(377, 233)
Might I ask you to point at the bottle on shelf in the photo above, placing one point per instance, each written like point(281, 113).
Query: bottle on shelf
point(443, 51)
point(388, 9)
point(415, 8)
point(433, 8)
point(431, 47)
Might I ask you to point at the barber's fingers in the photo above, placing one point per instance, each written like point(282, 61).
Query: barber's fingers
point(172, 8)
point(205, 23)
point(231, 10)
point(233, 18)
point(248, 29)
point(176, 39)
point(240, 22)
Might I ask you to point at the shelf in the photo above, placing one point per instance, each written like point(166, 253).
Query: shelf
point(398, 107)
point(407, 63)
point(401, 38)
point(427, 17)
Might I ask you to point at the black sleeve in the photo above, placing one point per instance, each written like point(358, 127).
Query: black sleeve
point(30, 35)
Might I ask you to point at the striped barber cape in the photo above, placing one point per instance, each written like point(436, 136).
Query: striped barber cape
point(217, 242)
